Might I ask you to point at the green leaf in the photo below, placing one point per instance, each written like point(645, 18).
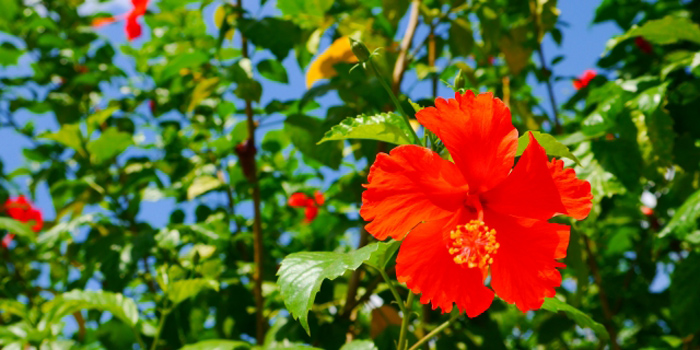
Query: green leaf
point(359, 345)
point(301, 275)
point(69, 135)
point(111, 143)
point(685, 219)
point(553, 147)
point(581, 319)
point(305, 13)
point(201, 185)
point(18, 228)
point(13, 307)
point(65, 304)
point(385, 251)
point(387, 127)
point(461, 38)
point(202, 91)
point(94, 121)
point(273, 70)
point(181, 290)
point(217, 344)
point(303, 131)
point(685, 288)
point(668, 30)
point(187, 60)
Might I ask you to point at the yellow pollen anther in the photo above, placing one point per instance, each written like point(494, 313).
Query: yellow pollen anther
point(473, 244)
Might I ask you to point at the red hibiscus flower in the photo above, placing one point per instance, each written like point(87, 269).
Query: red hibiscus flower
point(461, 220)
point(310, 205)
point(132, 27)
point(21, 210)
point(584, 79)
point(643, 45)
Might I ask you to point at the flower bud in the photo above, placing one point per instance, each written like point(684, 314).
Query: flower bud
point(460, 82)
point(360, 50)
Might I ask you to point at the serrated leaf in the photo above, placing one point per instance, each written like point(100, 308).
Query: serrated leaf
point(65, 304)
point(387, 127)
point(668, 30)
point(181, 290)
point(685, 219)
point(111, 143)
point(581, 319)
point(553, 147)
point(18, 228)
point(385, 251)
point(217, 344)
point(301, 275)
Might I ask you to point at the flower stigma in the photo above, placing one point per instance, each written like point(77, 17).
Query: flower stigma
point(473, 244)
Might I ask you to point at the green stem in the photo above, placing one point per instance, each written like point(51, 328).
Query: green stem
point(434, 332)
point(394, 99)
point(393, 290)
point(161, 323)
point(137, 334)
point(404, 323)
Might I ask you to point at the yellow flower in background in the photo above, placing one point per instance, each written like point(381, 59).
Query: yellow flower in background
point(322, 67)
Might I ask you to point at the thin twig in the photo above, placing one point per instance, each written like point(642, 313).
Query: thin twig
point(400, 66)
point(257, 222)
point(434, 332)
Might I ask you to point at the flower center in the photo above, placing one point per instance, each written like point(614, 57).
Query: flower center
point(473, 244)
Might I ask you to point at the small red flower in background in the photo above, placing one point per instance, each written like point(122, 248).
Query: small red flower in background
point(646, 210)
point(310, 205)
point(643, 45)
point(132, 27)
point(461, 220)
point(584, 79)
point(21, 210)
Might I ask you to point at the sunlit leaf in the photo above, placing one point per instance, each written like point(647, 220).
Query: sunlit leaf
point(111, 143)
point(553, 147)
point(301, 275)
point(359, 345)
point(685, 219)
point(65, 304)
point(18, 228)
point(668, 30)
point(217, 344)
point(180, 291)
point(387, 127)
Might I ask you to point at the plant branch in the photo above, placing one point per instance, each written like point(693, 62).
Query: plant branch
point(404, 322)
point(604, 303)
point(394, 99)
point(257, 222)
point(550, 90)
point(400, 66)
point(434, 332)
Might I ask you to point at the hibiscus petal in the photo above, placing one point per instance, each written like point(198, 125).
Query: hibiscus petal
point(478, 132)
point(407, 186)
point(133, 27)
point(524, 269)
point(310, 213)
point(575, 194)
point(426, 267)
point(529, 191)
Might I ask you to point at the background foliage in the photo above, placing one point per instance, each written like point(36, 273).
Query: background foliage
point(186, 121)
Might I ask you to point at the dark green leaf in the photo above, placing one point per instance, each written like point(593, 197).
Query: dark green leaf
point(685, 288)
point(273, 70)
